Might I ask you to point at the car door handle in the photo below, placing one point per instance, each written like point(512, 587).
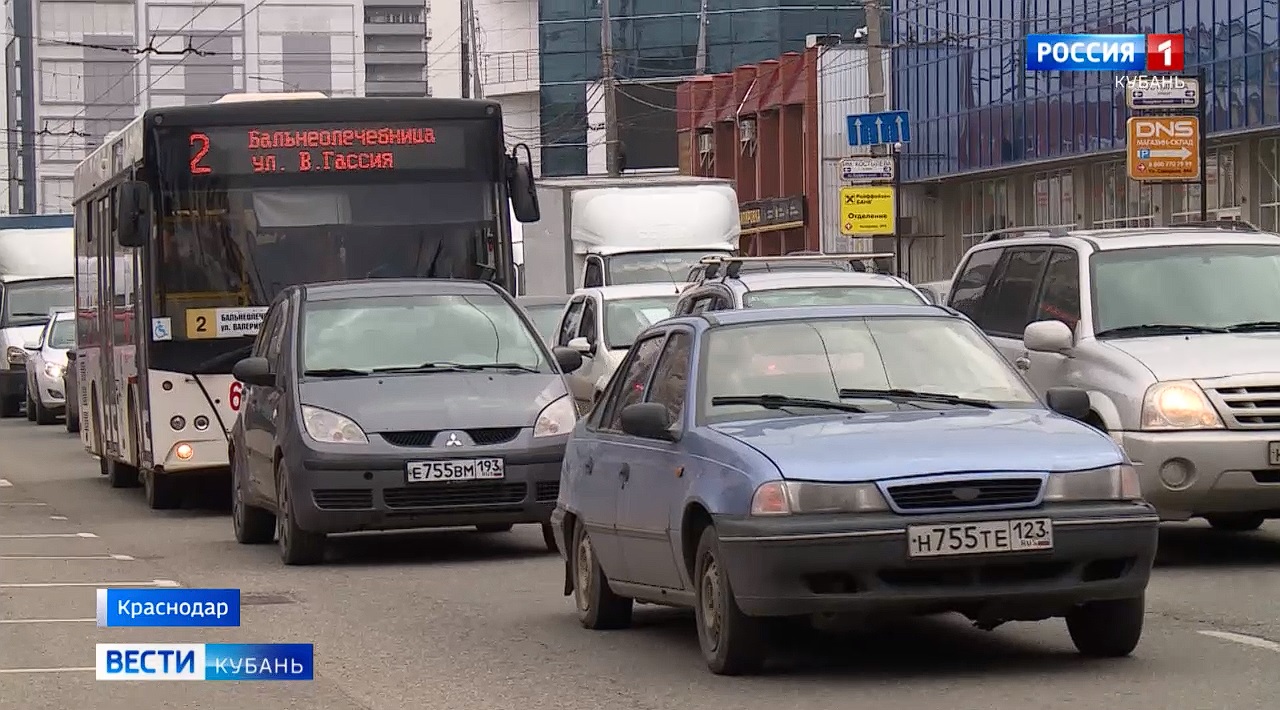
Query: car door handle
point(1023, 362)
point(625, 472)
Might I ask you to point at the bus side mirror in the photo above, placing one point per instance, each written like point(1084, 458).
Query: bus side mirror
point(524, 193)
point(131, 208)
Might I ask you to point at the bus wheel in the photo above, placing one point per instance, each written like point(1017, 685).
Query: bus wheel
point(121, 475)
point(164, 492)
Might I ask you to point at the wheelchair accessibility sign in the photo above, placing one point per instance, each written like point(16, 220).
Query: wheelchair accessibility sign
point(161, 329)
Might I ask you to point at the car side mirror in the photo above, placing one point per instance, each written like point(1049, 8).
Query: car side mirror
point(71, 356)
point(648, 420)
point(31, 347)
point(1069, 402)
point(582, 346)
point(254, 371)
point(131, 202)
point(1048, 336)
point(524, 193)
point(567, 358)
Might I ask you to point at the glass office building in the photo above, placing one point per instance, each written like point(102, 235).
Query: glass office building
point(655, 40)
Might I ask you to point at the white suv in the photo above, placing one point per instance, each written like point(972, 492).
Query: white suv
point(1174, 332)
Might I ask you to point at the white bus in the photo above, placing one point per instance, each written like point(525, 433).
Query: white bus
point(191, 219)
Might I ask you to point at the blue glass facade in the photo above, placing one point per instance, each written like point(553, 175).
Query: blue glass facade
point(959, 70)
point(654, 39)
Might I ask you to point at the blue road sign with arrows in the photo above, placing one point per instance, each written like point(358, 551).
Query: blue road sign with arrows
point(879, 128)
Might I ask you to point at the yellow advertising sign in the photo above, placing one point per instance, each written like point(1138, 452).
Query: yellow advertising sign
point(202, 323)
point(866, 211)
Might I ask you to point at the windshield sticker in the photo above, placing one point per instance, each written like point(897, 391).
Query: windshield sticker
point(653, 315)
point(161, 329)
point(204, 323)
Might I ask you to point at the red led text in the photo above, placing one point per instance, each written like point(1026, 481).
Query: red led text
point(340, 138)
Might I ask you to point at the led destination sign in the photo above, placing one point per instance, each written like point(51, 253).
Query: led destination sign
point(304, 148)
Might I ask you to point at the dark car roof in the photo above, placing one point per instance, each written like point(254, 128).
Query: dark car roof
point(770, 315)
point(374, 288)
point(543, 300)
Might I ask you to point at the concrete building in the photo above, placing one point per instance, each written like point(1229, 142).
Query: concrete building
point(994, 145)
point(78, 73)
point(507, 32)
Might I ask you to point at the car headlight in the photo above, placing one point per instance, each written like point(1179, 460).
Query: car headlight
point(53, 371)
point(556, 418)
point(331, 427)
point(1110, 483)
point(807, 498)
point(15, 355)
point(1178, 405)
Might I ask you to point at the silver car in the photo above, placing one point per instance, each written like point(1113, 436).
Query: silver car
point(46, 365)
point(1175, 334)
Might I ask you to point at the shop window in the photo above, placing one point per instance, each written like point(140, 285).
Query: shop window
point(1220, 176)
point(1121, 202)
point(1055, 198)
point(1269, 185)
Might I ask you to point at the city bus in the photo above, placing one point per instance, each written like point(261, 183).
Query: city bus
point(190, 219)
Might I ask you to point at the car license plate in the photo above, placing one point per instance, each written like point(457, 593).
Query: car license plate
point(455, 470)
point(1273, 453)
point(980, 538)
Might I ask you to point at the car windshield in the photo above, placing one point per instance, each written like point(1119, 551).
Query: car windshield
point(63, 334)
point(27, 301)
point(545, 318)
point(830, 296)
point(653, 267)
point(1211, 286)
point(816, 359)
point(624, 318)
point(365, 334)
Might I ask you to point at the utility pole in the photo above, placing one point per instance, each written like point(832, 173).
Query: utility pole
point(701, 66)
point(468, 40)
point(610, 86)
point(878, 102)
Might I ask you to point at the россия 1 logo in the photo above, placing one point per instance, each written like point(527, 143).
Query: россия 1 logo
point(1130, 53)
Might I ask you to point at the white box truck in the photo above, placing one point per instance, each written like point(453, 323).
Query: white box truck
point(600, 231)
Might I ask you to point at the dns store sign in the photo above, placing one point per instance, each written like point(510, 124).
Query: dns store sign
point(1163, 148)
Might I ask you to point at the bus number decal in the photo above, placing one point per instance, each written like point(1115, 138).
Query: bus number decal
point(202, 324)
point(235, 395)
point(203, 141)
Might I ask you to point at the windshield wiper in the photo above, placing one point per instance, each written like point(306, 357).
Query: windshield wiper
point(1157, 329)
point(1257, 326)
point(907, 395)
point(456, 367)
point(28, 314)
point(335, 372)
point(501, 366)
point(781, 401)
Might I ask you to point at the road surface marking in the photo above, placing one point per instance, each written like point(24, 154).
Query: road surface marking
point(47, 621)
point(69, 669)
point(1244, 640)
point(118, 558)
point(18, 504)
point(4, 483)
point(57, 517)
point(100, 585)
point(32, 536)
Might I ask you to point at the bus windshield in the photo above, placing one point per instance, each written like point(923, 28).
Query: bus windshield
point(27, 302)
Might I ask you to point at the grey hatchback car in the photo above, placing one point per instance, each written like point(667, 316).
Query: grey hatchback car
point(396, 404)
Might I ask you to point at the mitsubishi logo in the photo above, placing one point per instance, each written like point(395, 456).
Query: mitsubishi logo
point(966, 494)
point(453, 440)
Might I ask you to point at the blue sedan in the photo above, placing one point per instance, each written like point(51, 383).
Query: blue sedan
point(764, 465)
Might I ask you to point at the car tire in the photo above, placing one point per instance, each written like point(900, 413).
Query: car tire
point(732, 643)
point(598, 607)
point(1242, 522)
point(31, 407)
point(252, 525)
point(43, 416)
point(1107, 629)
point(494, 528)
point(297, 546)
point(549, 537)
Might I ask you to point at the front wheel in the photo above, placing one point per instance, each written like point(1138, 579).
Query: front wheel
point(31, 406)
point(732, 643)
point(297, 546)
point(1107, 629)
point(1243, 522)
point(598, 607)
point(43, 414)
point(549, 537)
point(163, 492)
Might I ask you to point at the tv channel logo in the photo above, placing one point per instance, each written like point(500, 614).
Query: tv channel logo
point(135, 608)
point(1127, 53)
point(205, 661)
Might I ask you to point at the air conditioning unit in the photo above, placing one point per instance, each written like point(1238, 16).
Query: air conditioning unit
point(706, 143)
point(747, 130)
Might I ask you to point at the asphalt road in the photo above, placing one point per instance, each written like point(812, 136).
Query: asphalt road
point(464, 621)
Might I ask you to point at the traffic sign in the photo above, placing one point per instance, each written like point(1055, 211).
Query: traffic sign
point(866, 168)
point(1170, 93)
point(1164, 148)
point(879, 128)
point(866, 210)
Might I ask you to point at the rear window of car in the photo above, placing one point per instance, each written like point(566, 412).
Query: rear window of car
point(545, 318)
point(830, 296)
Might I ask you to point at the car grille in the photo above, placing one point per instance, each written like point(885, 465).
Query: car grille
point(966, 493)
point(456, 495)
point(1248, 407)
point(482, 437)
point(546, 491)
point(343, 498)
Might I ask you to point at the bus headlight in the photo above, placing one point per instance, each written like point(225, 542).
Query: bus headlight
point(557, 418)
point(330, 427)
